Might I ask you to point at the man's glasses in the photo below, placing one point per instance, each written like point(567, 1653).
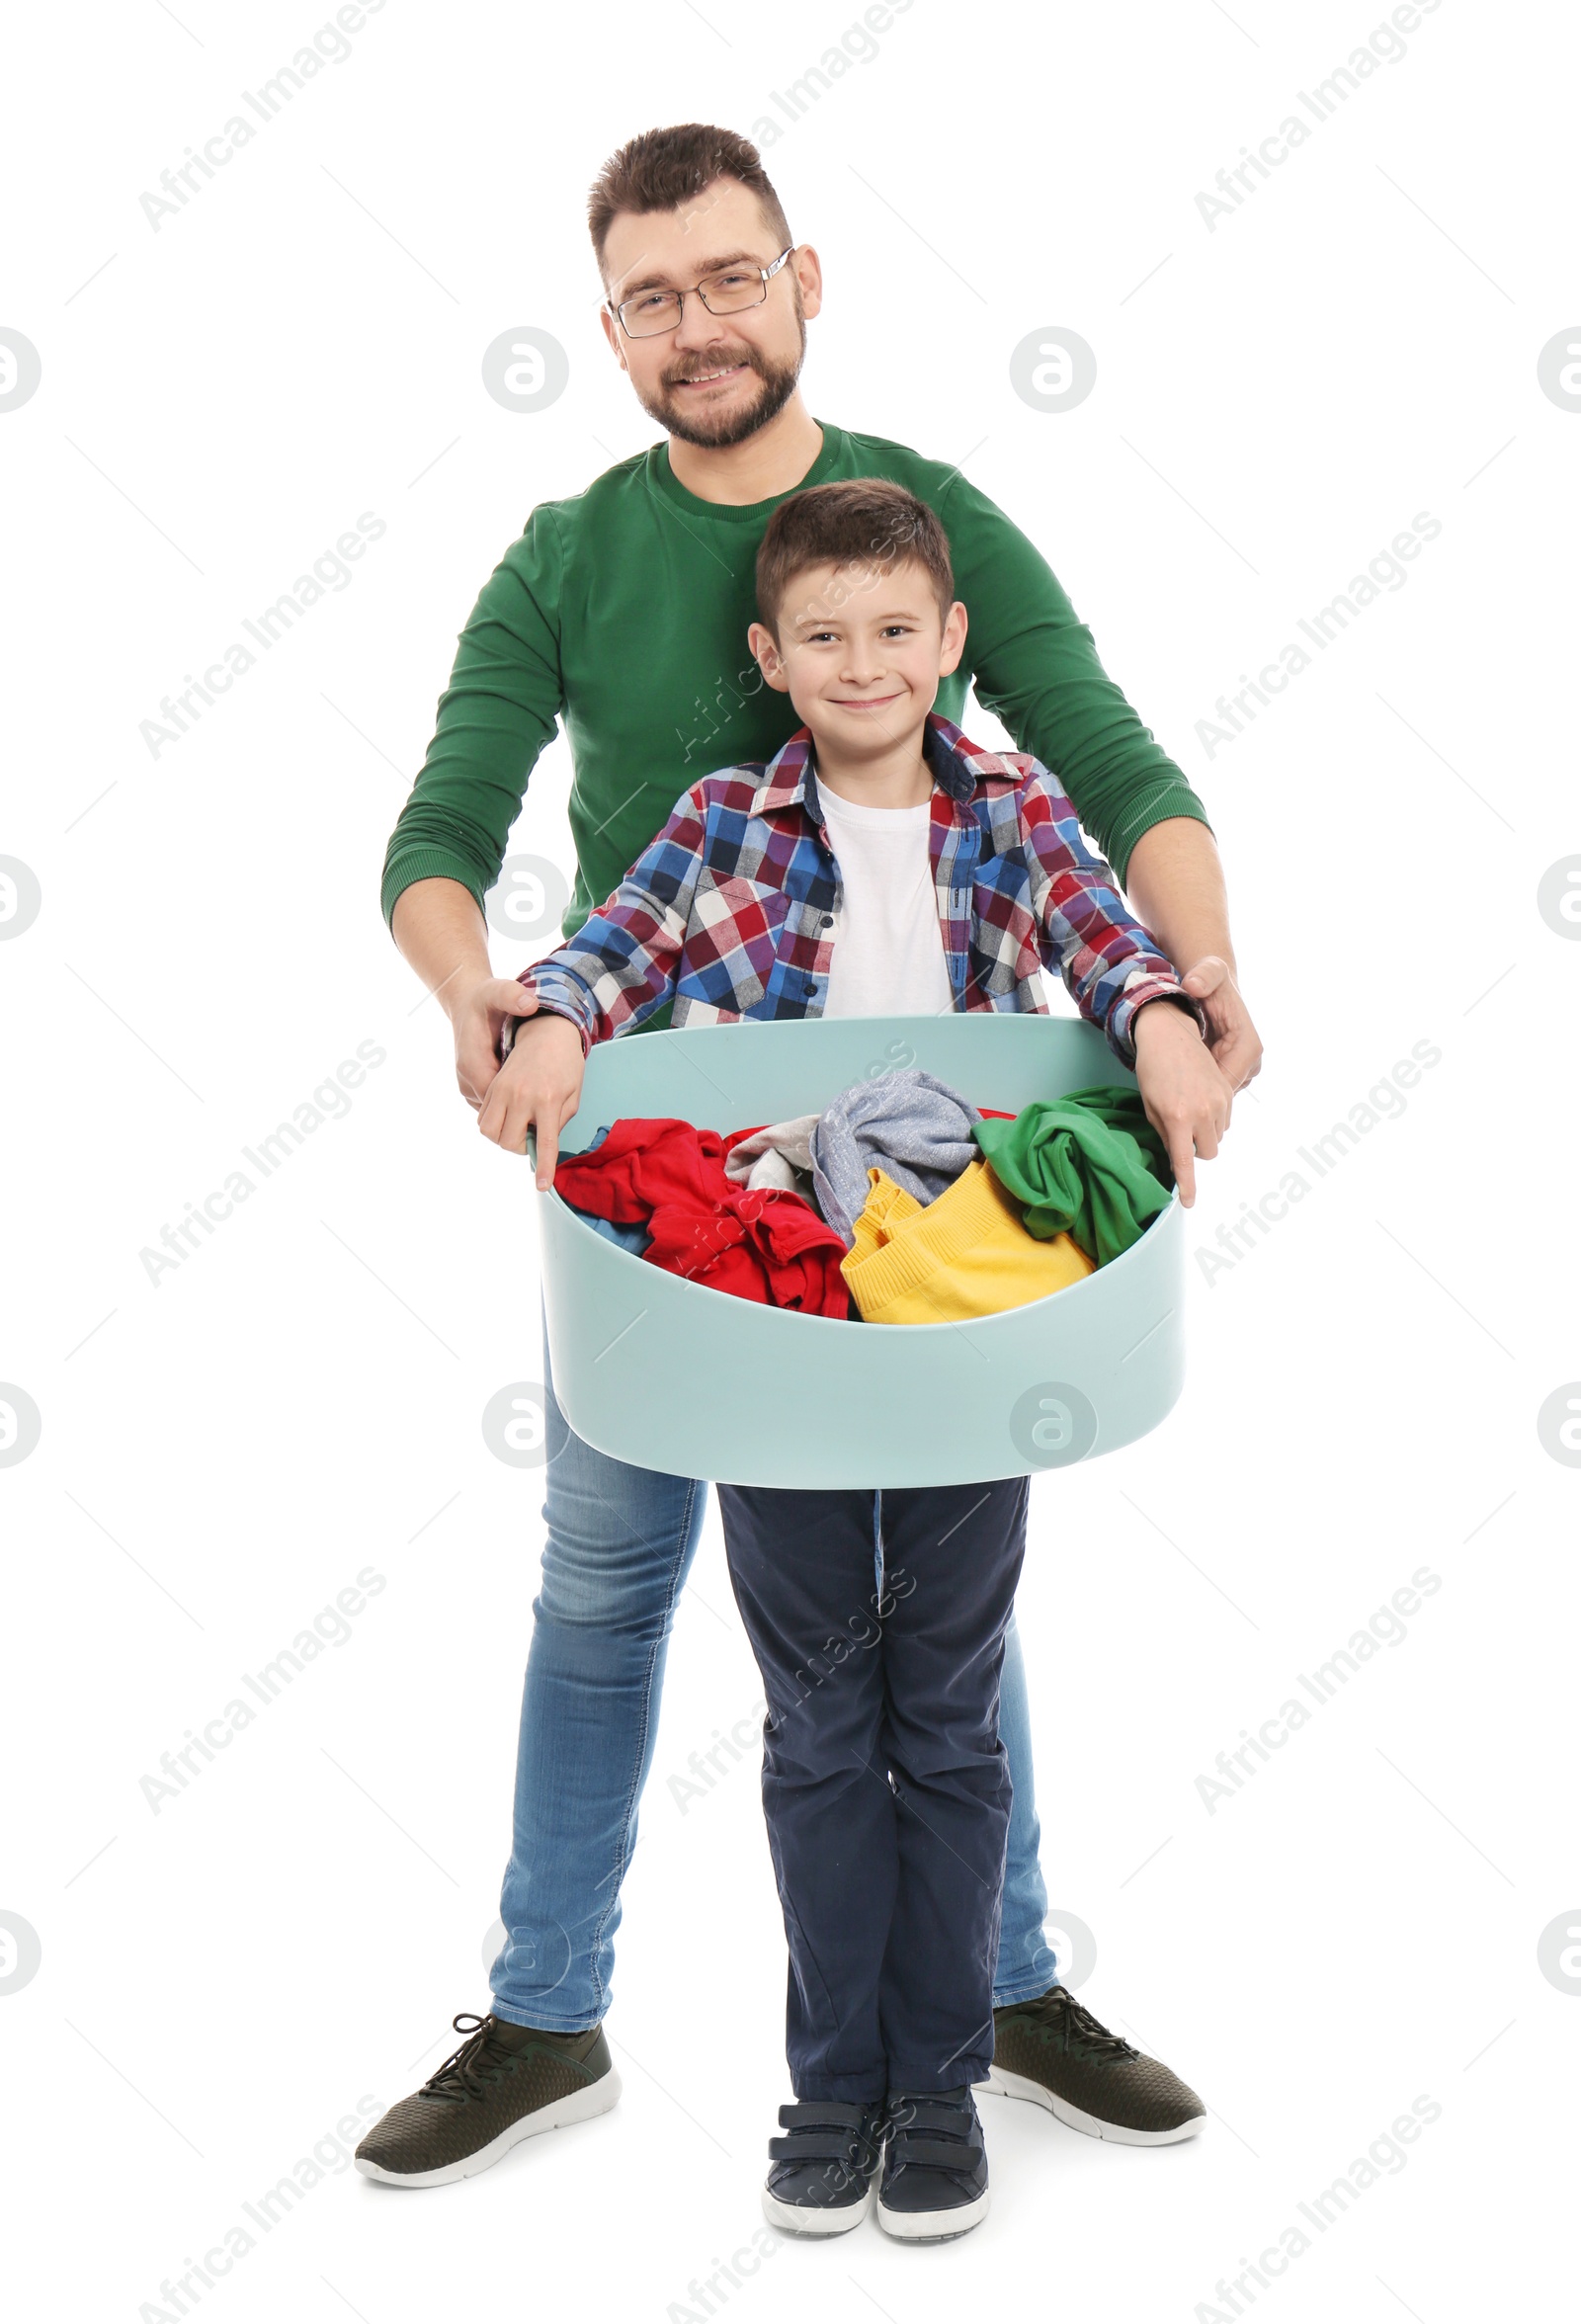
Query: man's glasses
point(649, 312)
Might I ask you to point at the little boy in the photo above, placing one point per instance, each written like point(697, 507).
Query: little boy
point(878, 865)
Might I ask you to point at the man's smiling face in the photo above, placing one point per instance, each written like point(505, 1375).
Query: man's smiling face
point(713, 379)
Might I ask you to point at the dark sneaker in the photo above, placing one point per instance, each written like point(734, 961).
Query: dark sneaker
point(1055, 2052)
point(504, 2084)
point(820, 2182)
point(935, 2182)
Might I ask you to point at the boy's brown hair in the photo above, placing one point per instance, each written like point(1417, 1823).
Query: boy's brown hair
point(664, 169)
point(860, 521)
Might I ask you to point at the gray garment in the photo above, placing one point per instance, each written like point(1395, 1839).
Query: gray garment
point(779, 1156)
point(914, 1127)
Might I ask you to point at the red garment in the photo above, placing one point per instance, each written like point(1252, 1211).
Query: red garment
point(758, 1243)
point(734, 1137)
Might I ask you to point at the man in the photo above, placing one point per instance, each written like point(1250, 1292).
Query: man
point(625, 609)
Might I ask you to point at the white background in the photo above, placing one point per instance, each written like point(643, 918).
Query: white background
point(221, 1453)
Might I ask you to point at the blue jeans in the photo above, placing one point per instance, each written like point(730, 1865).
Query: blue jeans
point(620, 1541)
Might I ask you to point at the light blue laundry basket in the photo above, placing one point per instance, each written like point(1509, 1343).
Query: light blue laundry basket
point(674, 1376)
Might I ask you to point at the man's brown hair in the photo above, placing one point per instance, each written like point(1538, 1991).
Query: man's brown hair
point(861, 521)
point(664, 169)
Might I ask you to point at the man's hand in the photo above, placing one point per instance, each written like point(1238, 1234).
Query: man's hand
point(1232, 1037)
point(1187, 1098)
point(478, 1011)
point(538, 1087)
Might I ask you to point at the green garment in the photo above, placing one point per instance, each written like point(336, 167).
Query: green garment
point(1089, 1164)
point(626, 609)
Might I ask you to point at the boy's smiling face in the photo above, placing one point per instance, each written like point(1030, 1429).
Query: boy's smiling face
point(860, 650)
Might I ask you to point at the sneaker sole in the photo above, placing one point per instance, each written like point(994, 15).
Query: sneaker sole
point(1004, 2085)
point(934, 2226)
point(580, 2107)
point(795, 2219)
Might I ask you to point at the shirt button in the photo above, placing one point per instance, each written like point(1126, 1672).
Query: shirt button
point(827, 921)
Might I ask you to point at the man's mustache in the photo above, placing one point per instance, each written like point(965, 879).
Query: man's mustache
point(722, 363)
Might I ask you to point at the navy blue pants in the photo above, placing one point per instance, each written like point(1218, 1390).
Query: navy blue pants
point(878, 1624)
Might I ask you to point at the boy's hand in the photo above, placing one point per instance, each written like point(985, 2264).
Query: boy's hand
point(538, 1087)
point(1187, 1098)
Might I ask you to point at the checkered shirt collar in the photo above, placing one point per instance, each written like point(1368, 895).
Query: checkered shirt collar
point(957, 763)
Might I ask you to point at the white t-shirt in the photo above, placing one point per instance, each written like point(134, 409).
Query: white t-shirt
point(888, 956)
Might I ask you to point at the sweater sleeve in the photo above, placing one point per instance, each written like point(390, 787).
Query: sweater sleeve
point(494, 718)
point(1035, 667)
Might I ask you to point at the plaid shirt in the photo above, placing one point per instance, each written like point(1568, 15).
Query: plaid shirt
point(730, 909)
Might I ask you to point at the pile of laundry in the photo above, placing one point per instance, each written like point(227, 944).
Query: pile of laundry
point(900, 1199)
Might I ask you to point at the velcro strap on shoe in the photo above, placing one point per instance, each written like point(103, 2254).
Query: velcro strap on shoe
point(936, 2154)
point(822, 2113)
point(815, 2146)
point(924, 2114)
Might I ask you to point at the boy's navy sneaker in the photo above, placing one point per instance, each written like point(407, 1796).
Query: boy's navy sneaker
point(821, 2173)
point(935, 2182)
point(1055, 2052)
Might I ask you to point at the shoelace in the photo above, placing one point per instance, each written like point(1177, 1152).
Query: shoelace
point(469, 2072)
point(1060, 2017)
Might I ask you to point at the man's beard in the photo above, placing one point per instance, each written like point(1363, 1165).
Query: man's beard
point(778, 385)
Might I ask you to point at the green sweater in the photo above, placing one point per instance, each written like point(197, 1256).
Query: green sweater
point(626, 609)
